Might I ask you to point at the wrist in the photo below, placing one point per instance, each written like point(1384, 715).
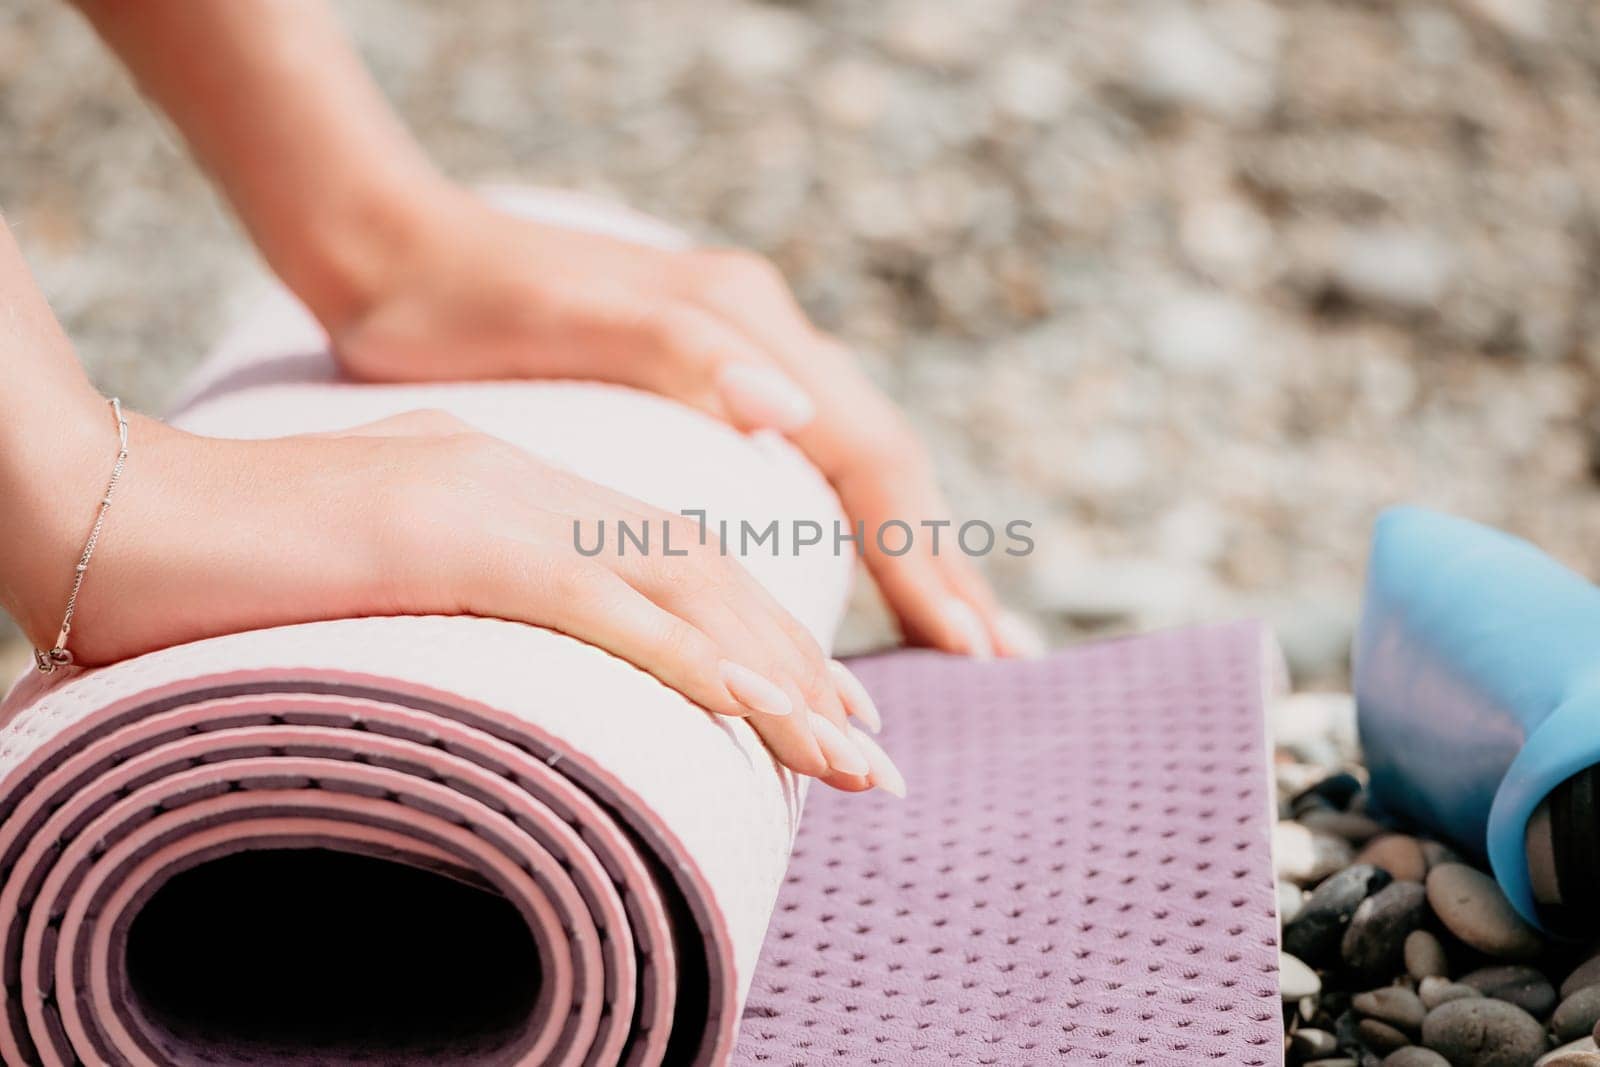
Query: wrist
point(350, 252)
point(53, 482)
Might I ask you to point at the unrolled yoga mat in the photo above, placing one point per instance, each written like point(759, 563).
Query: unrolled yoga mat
point(1081, 872)
point(404, 840)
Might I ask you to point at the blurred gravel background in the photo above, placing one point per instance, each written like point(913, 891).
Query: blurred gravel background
point(1196, 288)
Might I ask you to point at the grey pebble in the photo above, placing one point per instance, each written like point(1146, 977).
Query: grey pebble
point(1380, 1037)
point(1572, 1059)
point(1395, 1005)
point(1415, 1056)
point(1354, 827)
point(1425, 956)
point(1315, 933)
point(1373, 944)
point(1584, 974)
point(1399, 854)
point(1437, 991)
point(1525, 987)
point(1483, 1033)
point(1577, 1014)
point(1471, 906)
point(1310, 1043)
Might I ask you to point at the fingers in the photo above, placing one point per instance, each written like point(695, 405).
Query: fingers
point(717, 596)
point(939, 598)
point(696, 357)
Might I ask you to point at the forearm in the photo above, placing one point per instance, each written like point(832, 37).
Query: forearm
point(56, 439)
point(277, 106)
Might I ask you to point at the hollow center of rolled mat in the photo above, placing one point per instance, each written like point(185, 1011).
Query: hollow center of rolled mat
point(306, 953)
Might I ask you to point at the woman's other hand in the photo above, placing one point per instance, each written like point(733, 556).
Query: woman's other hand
point(468, 291)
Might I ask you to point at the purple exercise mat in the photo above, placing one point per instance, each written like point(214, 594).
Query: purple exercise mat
point(1082, 872)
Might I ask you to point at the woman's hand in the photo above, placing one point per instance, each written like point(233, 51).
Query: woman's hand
point(466, 291)
point(420, 515)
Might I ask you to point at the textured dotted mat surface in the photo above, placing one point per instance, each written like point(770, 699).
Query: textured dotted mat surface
point(1082, 872)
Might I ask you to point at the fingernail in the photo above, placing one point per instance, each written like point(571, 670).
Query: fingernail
point(755, 692)
point(965, 622)
point(857, 701)
point(1020, 636)
point(762, 396)
point(885, 775)
point(837, 749)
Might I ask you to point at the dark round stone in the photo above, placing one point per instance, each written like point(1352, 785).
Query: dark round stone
point(1380, 1037)
point(1584, 974)
point(1525, 987)
point(1314, 934)
point(1415, 1056)
point(1395, 1005)
point(1577, 1014)
point(1481, 1032)
point(1425, 956)
point(1374, 942)
point(1337, 789)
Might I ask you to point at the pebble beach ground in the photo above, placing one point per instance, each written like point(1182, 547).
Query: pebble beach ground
point(1396, 951)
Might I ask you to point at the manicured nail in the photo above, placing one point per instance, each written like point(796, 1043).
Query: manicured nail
point(857, 701)
point(755, 692)
point(1020, 636)
point(885, 775)
point(764, 397)
point(842, 755)
point(958, 614)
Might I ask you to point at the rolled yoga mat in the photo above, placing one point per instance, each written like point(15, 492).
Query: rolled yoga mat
point(404, 840)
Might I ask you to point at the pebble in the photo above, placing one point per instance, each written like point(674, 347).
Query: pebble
point(1312, 1044)
point(1437, 991)
point(1306, 858)
point(1577, 1015)
point(1374, 942)
point(1291, 898)
point(1395, 1005)
point(1415, 1056)
point(1471, 906)
point(1525, 987)
point(1399, 854)
point(1483, 1033)
point(1353, 826)
point(1584, 975)
point(1425, 956)
point(1295, 979)
point(1381, 1037)
point(1315, 933)
point(1337, 789)
point(1572, 1054)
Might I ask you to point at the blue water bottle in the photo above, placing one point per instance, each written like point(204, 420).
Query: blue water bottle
point(1477, 678)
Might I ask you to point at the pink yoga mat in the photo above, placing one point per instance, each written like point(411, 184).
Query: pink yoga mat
point(615, 849)
point(464, 841)
point(1080, 874)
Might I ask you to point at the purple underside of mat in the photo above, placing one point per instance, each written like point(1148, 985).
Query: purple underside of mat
point(1082, 871)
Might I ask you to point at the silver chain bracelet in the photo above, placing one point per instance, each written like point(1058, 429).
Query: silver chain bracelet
point(48, 661)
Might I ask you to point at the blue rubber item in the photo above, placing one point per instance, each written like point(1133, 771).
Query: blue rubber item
point(1477, 678)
